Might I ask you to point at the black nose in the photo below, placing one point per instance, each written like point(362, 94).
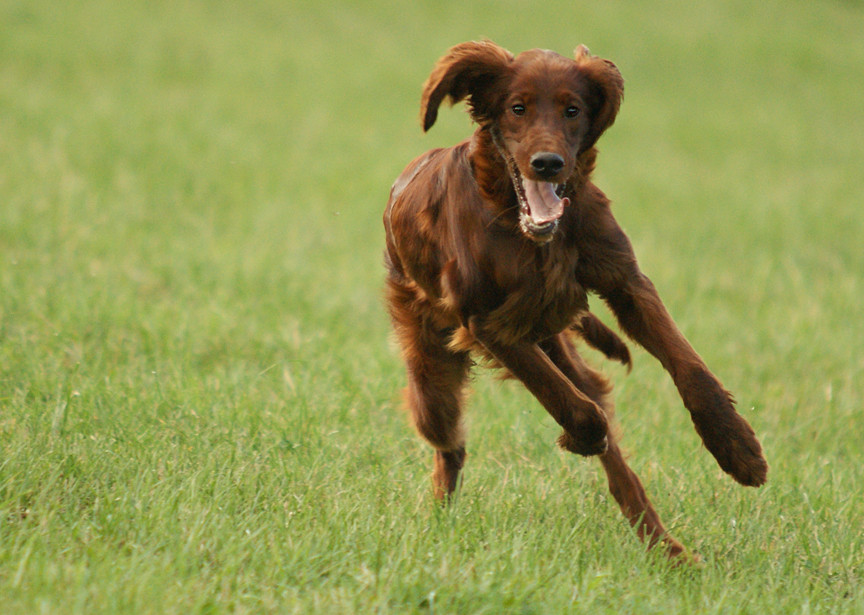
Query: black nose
point(547, 164)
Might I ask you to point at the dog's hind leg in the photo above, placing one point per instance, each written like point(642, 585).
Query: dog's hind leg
point(625, 486)
point(436, 379)
point(627, 490)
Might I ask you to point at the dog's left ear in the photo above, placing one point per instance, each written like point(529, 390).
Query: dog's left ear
point(607, 90)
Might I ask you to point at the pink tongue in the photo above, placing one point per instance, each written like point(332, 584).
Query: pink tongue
point(544, 203)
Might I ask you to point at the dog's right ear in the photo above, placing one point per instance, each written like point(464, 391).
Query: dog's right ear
point(467, 70)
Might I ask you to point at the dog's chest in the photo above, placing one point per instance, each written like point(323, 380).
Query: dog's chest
point(542, 297)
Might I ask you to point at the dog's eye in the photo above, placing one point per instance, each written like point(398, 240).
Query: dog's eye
point(571, 111)
point(518, 109)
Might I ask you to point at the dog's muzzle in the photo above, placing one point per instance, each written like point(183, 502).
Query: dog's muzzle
point(540, 203)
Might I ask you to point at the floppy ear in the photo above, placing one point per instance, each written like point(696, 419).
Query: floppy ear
point(467, 70)
point(607, 90)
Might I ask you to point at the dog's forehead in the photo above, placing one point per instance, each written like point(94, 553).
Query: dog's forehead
point(539, 55)
point(542, 68)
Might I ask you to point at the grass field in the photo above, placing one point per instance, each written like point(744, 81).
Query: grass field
point(199, 399)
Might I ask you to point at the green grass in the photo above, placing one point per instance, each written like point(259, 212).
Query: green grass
point(199, 402)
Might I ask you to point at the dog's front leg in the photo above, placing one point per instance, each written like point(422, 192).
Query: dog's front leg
point(724, 432)
point(583, 421)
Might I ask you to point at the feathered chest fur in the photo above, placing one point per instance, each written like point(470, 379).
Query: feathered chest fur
point(542, 303)
point(540, 297)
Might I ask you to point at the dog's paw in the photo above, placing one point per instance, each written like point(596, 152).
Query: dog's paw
point(679, 555)
point(582, 446)
point(724, 432)
point(734, 445)
point(585, 430)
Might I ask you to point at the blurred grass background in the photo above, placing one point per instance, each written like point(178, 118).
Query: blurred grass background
point(198, 401)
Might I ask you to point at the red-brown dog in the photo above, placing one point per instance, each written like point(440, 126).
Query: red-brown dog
point(492, 248)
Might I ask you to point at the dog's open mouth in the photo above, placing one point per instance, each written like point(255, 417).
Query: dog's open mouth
point(540, 203)
point(540, 207)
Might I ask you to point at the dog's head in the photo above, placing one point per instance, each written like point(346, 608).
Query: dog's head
point(542, 109)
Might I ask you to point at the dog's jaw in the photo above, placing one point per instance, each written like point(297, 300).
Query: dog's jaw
point(540, 208)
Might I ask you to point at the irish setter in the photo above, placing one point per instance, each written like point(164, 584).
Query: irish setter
point(492, 248)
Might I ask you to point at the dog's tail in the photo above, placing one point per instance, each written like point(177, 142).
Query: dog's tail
point(602, 338)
